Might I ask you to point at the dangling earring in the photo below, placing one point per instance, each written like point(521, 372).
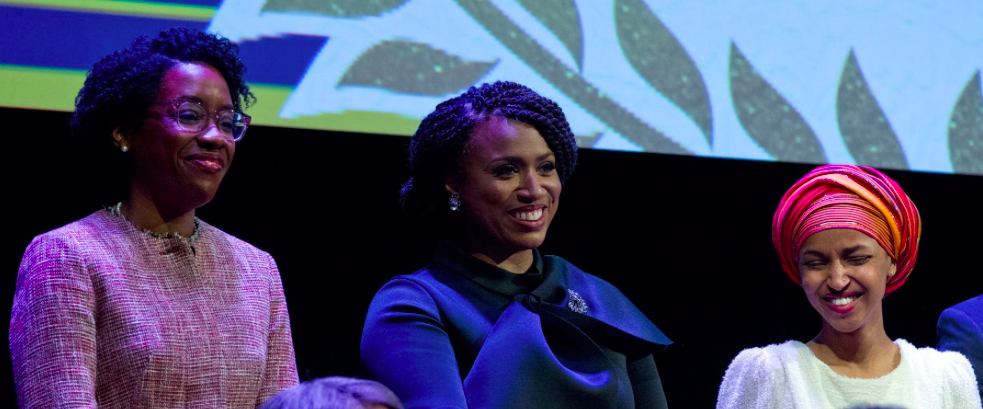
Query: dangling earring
point(124, 148)
point(454, 202)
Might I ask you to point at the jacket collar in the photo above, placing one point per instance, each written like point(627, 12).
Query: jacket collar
point(501, 281)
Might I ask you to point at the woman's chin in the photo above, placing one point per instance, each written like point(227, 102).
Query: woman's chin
point(842, 329)
point(197, 196)
point(842, 325)
point(527, 241)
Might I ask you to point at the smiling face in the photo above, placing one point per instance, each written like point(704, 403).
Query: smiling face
point(844, 275)
point(181, 170)
point(508, 185)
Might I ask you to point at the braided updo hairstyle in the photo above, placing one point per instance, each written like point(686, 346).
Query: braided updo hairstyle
point(120, 88)
point(439, 142)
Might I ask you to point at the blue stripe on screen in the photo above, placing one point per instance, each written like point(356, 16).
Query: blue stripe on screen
point(212, 3)
point(76, 40)
point(68, 39)
point(279, 60)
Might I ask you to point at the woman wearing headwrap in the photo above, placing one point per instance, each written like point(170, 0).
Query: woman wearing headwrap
point(848, 236)
point(490, 322)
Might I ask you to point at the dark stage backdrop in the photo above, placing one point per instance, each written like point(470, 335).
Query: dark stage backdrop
point(686, 238)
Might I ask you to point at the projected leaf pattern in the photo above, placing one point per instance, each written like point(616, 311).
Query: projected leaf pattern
point(429, 69)
point(561, 17)
point(658, 57)
point(567, 81)
point(865, 129)
point(966, 130)
point(423, 70)
point(336, 8)
point(770, 120)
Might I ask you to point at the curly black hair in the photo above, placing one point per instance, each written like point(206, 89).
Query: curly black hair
point(120, 87)
point(439, 142)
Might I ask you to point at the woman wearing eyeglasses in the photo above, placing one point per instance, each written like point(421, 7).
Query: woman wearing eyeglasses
point(142, 304)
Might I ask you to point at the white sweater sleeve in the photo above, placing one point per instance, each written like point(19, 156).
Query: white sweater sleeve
point(755, 379)
point(961, 381)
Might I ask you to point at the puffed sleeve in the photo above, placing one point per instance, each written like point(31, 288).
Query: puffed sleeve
point(281, 364)
point(52, 327)
point(960, 389)
point(958, 332)
point(754, 380)
point(406, 347)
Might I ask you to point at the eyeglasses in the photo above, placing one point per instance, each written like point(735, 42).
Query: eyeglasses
point(192, 116)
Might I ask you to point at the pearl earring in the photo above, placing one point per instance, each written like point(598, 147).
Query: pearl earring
point(124, 148)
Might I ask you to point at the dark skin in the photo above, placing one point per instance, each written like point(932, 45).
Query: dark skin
point(510, 191)
point(849, 267)
point(174, 172)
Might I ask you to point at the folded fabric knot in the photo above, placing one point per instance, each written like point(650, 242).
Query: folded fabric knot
point(532, 343)
point(530, 301)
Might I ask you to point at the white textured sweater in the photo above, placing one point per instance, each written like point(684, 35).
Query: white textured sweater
point(790, 376)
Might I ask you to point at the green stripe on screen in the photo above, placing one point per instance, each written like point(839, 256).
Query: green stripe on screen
point(162, 10)
point(40, 88)
point(55, 90)
point(270, 98)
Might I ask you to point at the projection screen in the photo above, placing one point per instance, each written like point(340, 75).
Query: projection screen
point(890, 84)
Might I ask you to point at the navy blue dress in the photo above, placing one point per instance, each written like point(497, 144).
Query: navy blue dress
point(960, 329)
point(461, 333)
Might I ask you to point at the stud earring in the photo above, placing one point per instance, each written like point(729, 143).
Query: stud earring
point(124, 148)
point(454, 202)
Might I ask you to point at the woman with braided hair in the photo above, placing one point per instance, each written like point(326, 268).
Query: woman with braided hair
point(490, 322)
point(849, 236)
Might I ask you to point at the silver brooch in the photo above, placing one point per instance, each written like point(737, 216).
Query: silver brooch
point(576, 303)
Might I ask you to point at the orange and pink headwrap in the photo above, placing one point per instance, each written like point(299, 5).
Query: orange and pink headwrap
point(848, 197)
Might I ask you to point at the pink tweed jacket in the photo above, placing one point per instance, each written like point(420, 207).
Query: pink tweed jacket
point(106, 315)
